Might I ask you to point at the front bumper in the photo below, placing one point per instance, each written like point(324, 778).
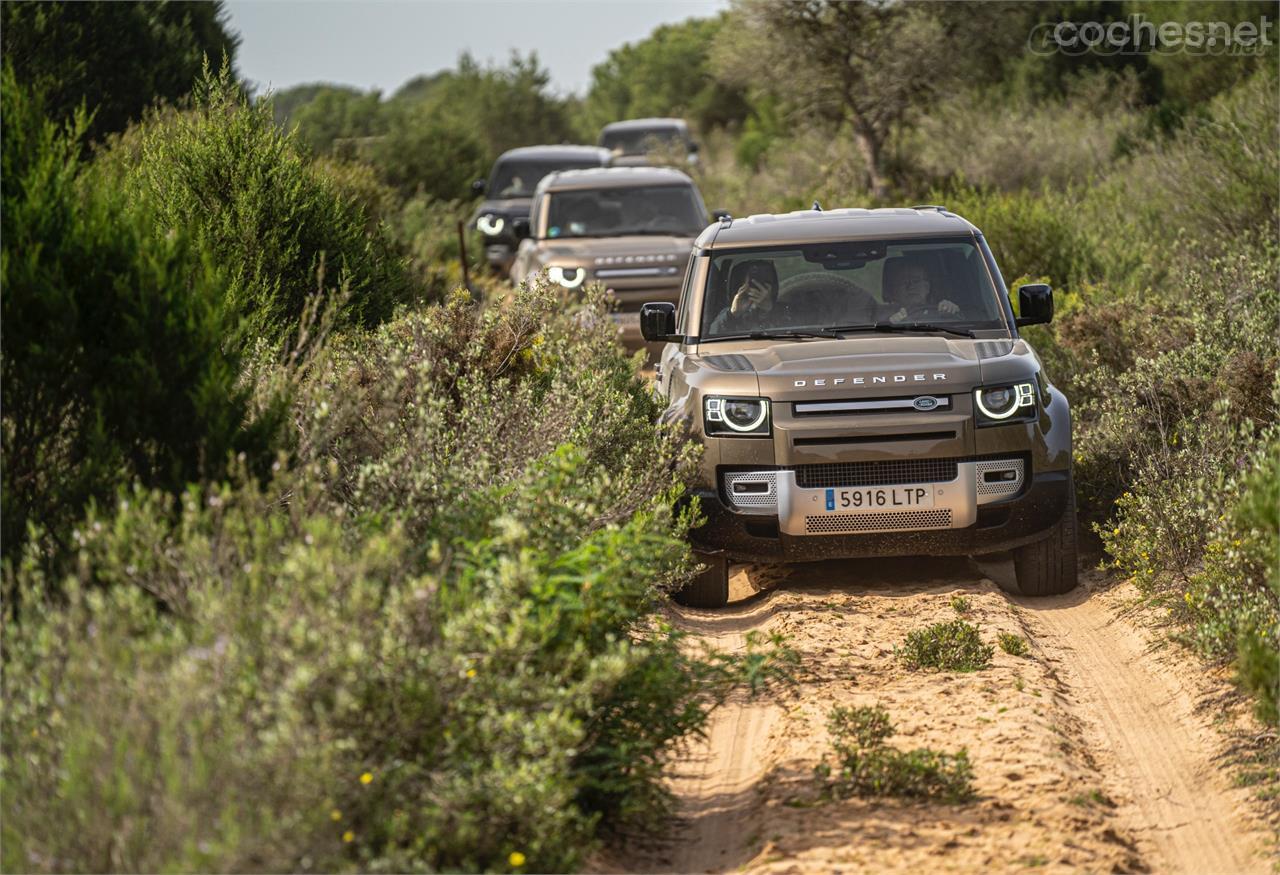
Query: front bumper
point(499, 253)
point(973, 526)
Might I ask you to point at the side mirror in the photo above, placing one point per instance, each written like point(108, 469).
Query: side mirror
point(1035, 304)
point(520, 227)
point(721, 215)
point(693, 148)
point(478, 186)
point(658, 321)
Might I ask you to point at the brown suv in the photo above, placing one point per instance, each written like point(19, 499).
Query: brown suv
point(859, 385)
point(630, 229)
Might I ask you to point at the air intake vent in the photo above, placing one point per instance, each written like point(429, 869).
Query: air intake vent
point(892, 472)
point(728, 362)
point(878, 522)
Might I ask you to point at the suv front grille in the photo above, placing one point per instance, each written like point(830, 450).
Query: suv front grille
point(891, 472)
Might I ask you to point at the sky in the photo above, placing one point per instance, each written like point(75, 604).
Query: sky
point(383, 43)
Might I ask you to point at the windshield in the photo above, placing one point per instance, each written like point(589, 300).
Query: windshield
point(896, 284)
point(638, 142)
point(615, 212)
point(518, 178)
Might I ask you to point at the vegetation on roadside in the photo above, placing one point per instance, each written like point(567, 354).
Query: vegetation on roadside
point(415, 626)
point(955, 645)
point(866, 766)
point(1014, 645)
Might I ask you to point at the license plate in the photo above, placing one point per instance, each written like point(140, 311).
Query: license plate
point(874, 498)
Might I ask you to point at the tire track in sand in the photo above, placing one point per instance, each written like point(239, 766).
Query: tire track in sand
point(1156, 754)
point(717, 781)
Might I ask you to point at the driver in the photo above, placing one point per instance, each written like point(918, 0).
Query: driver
point(907, 284)
point(754, 285)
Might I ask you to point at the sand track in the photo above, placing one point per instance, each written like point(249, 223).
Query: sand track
point(1088, 753)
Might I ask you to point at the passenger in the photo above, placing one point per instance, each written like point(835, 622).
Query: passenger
point(755, 296)
point(907, 284)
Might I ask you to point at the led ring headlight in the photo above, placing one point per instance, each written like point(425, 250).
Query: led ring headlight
point(740, 415)
point(569, 277)
point(490, 224)
point(1005, 401)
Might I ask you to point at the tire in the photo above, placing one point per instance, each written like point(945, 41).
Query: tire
point(710, 588)
point(1048, 567)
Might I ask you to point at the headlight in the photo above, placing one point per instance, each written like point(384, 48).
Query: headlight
point(998, 405)
point(569, 277)
point(737, 417)
point(491, 225)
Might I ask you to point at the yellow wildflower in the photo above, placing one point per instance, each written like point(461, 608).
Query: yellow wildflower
point(516, 859)
point(471, 672)
point(366, 778)
point(348, 836)
point(335, 814)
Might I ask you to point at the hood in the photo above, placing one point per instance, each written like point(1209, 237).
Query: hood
point(868, 367)
point(613, 252)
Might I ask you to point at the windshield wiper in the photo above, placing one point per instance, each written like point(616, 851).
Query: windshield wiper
point(890, 327)
point(776, 335)
point(657, 232)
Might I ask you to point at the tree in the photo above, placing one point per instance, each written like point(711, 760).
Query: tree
point(336, 113)
point(115, 363)
point(502, 107)
point(865, 65)
point(426, 150)
point(116, 58)
point(666, 74)
point(224, 173)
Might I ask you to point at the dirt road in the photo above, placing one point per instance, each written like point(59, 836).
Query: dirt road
point(1088, 753)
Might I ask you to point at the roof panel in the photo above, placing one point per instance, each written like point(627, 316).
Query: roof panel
point(813, 226)
point(600, 177)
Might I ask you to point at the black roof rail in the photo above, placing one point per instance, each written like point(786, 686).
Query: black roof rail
point(817, 207)
point(937, 207)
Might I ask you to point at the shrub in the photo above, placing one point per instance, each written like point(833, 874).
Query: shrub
point(1233, 601)
point(866, 766)
point(429, 230)
point(114, 363)
point(997, 141)
point(278, 226)
point(952, 646)
point(1014, 645)
point(1174, 419)
point(431, 643)
point(960, 604)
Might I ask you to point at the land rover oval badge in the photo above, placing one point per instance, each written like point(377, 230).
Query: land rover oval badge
point(926, 402)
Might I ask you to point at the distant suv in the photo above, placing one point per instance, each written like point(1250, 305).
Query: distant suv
point(628, 228)
point(631, 141)
point(509, 192)
point(857, 380)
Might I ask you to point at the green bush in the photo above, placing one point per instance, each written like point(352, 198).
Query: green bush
point(432, 643)
point(279, 227)
point(951, 646)
point(1233, 601)
point(866, 766)
point(114, 362)
point(1014, 645)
